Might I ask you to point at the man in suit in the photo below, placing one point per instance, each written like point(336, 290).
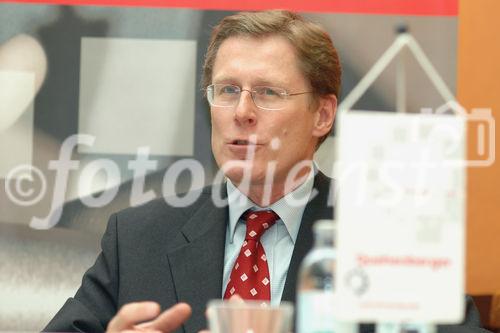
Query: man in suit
point(272, 80)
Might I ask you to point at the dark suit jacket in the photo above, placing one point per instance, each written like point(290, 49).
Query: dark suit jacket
point(159, 253)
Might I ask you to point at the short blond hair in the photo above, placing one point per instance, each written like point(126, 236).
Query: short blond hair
point(318, 58)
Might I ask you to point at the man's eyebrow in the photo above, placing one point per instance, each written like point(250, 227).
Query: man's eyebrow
point(224, 79)
point(259, 81)
point(267, 82)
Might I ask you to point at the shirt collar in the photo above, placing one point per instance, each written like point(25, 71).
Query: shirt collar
point(287, 209)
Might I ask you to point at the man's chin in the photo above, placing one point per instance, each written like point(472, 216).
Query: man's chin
point(243, 177)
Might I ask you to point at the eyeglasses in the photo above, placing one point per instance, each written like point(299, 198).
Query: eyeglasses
point(266, 98)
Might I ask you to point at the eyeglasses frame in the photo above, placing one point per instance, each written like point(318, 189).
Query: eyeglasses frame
point(286, 94)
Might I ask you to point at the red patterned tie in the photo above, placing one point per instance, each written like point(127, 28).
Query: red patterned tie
point(250, 275)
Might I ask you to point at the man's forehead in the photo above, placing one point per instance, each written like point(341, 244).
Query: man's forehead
point(267, 60)
point(268, 40)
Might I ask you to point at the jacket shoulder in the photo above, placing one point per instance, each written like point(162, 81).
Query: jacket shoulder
point(162, 214)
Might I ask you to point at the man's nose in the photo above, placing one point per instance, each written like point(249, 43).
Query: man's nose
point(245, 110)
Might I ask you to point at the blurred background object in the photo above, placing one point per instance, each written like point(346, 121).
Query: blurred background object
point(23, 65)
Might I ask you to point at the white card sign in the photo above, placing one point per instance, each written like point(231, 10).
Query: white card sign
point(400, 214)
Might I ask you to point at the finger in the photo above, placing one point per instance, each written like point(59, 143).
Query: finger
point(236, 299)
point(204, 331)
point(133, 313)
point(170, 319)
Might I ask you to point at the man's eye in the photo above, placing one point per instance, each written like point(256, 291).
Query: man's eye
point(271, 92)
point(267, 91)
point(229, 90)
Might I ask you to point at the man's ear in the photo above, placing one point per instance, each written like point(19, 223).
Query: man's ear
point(325, 115)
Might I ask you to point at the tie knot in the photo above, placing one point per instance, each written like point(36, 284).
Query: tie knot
point(258, 222)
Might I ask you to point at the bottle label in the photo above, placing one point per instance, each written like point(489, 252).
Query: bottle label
point(316, 314)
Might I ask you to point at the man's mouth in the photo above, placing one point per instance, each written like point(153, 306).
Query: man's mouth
point(242, 142)
point(241, 148)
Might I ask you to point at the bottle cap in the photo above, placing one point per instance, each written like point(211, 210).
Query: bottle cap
point(321, 225)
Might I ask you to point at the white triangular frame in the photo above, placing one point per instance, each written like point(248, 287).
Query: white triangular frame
point(404, 40)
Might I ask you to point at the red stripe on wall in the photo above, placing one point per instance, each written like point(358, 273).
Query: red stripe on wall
point(387, 7)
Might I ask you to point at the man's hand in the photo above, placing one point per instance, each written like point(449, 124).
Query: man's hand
point(127, 319)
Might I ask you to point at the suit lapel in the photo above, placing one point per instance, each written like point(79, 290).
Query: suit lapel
point(318, 208)
point(197, 264)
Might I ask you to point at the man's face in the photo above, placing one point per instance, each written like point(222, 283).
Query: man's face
point(283, 137)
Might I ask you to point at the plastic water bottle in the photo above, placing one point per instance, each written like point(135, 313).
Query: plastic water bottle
point(316, 286)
